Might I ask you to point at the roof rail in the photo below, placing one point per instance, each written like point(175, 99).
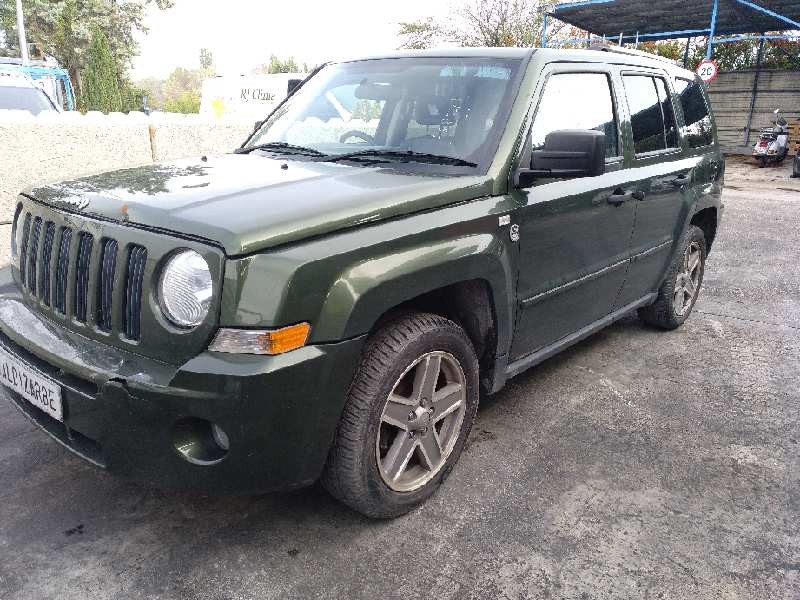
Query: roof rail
point(606, 47)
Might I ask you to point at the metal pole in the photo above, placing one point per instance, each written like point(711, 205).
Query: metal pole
point(712, 30)
point(620, 39)
point(755, 91)
point(23, 43)
point(686, 53)
point(637, 41)
point(544, 31)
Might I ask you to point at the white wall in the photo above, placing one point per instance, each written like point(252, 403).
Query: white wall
point(40, 149)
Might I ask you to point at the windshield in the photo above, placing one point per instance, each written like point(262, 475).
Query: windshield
point(24, 98)
point(448, 107)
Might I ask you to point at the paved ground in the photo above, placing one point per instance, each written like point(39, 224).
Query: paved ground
point(639, 464)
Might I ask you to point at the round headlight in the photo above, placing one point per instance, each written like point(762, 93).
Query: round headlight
point(185, 289)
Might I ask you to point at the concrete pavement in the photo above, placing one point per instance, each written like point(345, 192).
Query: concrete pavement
point(639, 464)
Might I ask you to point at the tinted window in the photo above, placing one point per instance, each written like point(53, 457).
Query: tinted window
point(695, 114)
point(24, 98)
point(577, 101)
point(650, 109)
point(670, 126)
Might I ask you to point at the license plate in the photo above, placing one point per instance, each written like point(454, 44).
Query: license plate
point(35, 388)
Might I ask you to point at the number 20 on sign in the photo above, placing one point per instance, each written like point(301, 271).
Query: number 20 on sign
point(708, 70)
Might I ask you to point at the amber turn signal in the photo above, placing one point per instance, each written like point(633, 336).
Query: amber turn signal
point(260, 341)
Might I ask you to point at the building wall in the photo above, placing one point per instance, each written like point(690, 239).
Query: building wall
point(39, 149)
point(730, 95)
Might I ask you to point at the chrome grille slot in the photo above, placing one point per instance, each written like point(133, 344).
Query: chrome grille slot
point(62, 270)
point(23, 251)
point(35, 233)
point(95, 277)
point(85, 242)
point(137, 258)
point(47, 259)
point(105, 285)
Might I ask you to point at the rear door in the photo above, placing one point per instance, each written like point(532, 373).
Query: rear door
point(573, 241)
point(660, 173)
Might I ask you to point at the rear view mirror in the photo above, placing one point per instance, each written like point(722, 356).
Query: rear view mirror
point(568, 153)
point(377, 91)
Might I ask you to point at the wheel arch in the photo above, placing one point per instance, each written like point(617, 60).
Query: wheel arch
point(706, 220)
point(469, 280)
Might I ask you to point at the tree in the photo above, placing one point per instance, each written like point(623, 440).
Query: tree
point(778, 54)
point(277, 65)
point(187, 103)
point(481, 23)
point(419, 34)
point(105, 88)
point(181, 92)
point(519, 23)
point(63, 28)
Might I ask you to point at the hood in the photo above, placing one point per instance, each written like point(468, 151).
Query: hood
point(249, 202)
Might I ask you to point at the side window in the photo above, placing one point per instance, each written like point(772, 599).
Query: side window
point(652, 118)
point(577, 101)
point(670, 126)
point(698, 130)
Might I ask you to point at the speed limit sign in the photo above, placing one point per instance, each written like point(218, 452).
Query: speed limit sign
point(708, 70)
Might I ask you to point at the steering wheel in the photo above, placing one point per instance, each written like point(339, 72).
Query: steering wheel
point(357, 134)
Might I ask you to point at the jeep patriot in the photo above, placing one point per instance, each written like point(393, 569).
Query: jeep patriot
point(402, 234)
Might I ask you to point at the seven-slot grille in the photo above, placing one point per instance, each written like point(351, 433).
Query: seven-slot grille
point(57, 262)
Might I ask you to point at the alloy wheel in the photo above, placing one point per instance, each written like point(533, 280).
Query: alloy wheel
point(687, 283)
point(421, 421)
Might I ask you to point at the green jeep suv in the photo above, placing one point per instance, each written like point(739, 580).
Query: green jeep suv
point(402, 234)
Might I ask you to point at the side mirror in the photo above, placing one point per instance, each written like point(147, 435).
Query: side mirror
point(568, 153)
point(292, 85)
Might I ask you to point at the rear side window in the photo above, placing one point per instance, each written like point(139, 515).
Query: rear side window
point(698, 130)
point(670, 125)
point(652, 117)
point(577, 101)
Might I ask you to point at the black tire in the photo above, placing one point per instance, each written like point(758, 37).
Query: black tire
point(663, 313)
point(352, 474)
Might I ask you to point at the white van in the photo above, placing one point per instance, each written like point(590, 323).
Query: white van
point(245, 97)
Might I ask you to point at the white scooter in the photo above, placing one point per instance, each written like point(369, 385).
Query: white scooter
point(773, 144)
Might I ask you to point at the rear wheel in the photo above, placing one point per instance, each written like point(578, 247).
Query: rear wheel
point(407, 417)
point(681, 287)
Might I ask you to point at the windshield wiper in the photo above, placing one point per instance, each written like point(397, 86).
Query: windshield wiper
point(402, 156)
point(281, 147)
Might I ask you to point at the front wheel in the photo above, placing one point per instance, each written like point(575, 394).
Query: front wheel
point(407, 416)
point(681, 287)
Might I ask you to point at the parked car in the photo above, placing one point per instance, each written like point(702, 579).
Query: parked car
point(331, 300)
point(796, 166)
point(49, 76)
point(19, 92)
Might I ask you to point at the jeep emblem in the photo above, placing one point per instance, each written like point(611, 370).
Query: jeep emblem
point(513, 233)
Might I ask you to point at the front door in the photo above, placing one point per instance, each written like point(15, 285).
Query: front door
point(574, 237)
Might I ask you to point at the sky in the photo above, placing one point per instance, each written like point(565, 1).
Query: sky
point(242, 34)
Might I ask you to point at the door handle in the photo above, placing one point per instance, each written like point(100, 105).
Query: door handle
point(619, 197)
point(680, 180)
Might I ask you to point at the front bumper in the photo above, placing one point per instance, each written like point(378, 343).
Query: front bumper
point(121, 409)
